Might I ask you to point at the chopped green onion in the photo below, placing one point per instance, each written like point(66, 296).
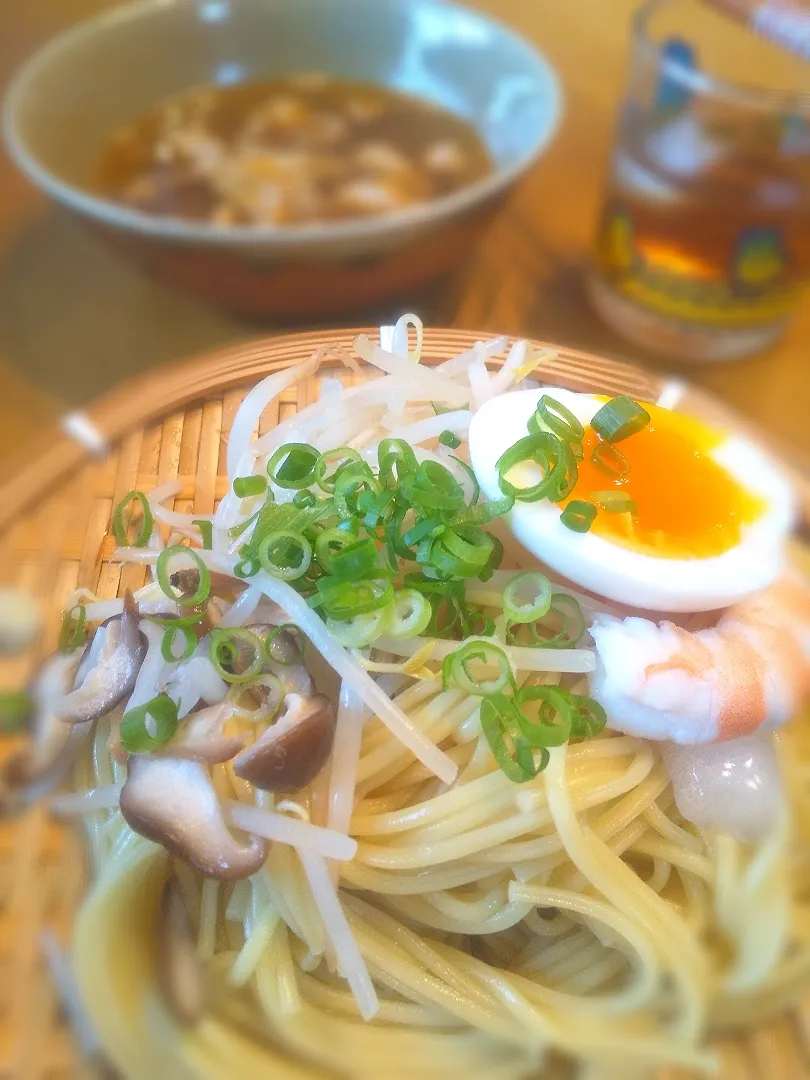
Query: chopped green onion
point(227, 648)
point(620, 418)
point(611, 461)
point(200, 595)
point(330, 543)
point(500, 723)
point(359, 631)
point(485, 512)
point(170, 622)
point(396, 460)
point(246, 486)
point(346, 599)
point(293, 465)
point(73, 632)
point(285, 555)
point(543, 449)
point(248, 565)
point(440, 409)
point(277, 652)
point(459, 552)
point(495, 560)
point(456, 669)
point(557, 419)
point(120, 525)
point(476, 487)
point(615, 502)
point(589, 717)
point(447, 438)
point(16, 707)
point(432, 487)
point(304, 499)
point(261, 700)
point(353, 481)
point(527, 597)
point(149, 726)
point(167, 645)
point(206, 532)
point(339, 457)
point(358, 560)
point(553, 722)
point(409, 614)
point(564, 613)
point(578, 516)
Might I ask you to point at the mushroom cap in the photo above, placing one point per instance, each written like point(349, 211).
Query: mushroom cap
point(293, 750)
point(173, 802)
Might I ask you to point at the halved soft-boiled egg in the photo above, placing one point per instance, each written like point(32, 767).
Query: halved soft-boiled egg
point(708, 513)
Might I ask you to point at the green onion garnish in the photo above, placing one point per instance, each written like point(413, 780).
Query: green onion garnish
point(304, 499)
point(227, 654)
point(559, 420)
point(119, 522)
point(527, 597)
point(457, 669)
point(200, 595)
point(615, 502)
point(246, 486)
point(589, 717)
point(611, 461)
point(73, 631)
point(277, 653)
point(206, 532)
point(501, 725)
point(460, 552)
point(169, 622)
point(359, 631)
point(285, 555)
point(346, 599)
point(432, 487)
point(293, 465)
point(566, 631)
point(333, 458)
point(396, 460)
point(167, 645)
point(552, 724)
point(16, 707)
point(578, 516)
point(543, 449)
point(149, 726)
point(357, 560)
point(329, 543)
point(447, 438)
point(619, 418)
point(409, 614)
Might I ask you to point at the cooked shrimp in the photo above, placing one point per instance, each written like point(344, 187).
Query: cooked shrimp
point(749, 671)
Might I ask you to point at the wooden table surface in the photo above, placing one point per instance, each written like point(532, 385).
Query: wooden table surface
point(75, 320)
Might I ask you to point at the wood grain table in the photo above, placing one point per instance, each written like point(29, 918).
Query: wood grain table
point(75, 320)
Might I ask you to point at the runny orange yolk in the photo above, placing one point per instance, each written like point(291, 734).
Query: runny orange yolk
point(688, 505)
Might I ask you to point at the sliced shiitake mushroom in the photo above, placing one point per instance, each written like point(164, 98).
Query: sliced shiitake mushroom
point(173, 802)
point(201, 738)
point(294, 749)
point(108, 667)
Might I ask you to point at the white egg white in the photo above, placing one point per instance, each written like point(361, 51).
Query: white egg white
point(618, 572)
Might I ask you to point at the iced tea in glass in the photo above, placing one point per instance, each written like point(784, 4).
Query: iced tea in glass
point(704, 240)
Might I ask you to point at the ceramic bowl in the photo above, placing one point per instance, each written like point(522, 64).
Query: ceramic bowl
point(74, 92)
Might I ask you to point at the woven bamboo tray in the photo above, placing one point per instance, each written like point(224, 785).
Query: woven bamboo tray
point(54, 512)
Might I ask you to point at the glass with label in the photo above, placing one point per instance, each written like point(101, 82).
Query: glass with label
point(703, 245)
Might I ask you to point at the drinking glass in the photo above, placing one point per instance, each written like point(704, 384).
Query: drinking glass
point(704, 240)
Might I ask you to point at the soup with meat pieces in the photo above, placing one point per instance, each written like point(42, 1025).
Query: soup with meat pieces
point(287, 151)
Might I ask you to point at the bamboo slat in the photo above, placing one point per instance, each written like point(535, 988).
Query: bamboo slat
point(54, 510)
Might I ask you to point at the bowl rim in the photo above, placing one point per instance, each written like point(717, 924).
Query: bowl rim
point(108, 212)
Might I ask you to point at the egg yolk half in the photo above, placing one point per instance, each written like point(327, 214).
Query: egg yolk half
point(688, 506)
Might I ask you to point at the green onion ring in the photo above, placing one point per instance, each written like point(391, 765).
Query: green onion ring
point(447, 438)
point(150, 726)
point(274, 555)
point(206, 532)
point(244, 487)
point(396, 460)
point(119, 525)
point(615, 502)
point(164, 576)
point(346, 599)
point(559, 420)
point(455, 670)
point(329, 543)
point(611, 461)
point(543, 449)
point(225, 642)
point(73, 631)
point(358, 560)
point(359, 631)
point(554, 721)
point(620, 418)
point(342, 455)
point(516, 605)
point(578, 516)
point(500, 720)
point(293, 465)
point(295, 633)
point(167, 645)
point(409, 614)
point(589, 717)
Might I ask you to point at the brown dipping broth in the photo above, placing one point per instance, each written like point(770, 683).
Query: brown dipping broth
point(281, 152)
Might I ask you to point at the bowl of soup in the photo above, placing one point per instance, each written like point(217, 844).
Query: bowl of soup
point(293, 158)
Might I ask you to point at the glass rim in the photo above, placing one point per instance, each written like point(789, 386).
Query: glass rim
point(697, 80)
